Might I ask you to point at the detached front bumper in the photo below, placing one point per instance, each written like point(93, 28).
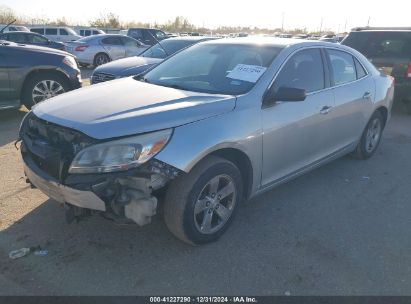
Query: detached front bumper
point(61, 193)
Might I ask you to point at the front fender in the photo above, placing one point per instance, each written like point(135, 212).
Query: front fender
point(239, 130)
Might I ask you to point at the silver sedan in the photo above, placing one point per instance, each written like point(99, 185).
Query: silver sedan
point(100, 49)
point(217, 123)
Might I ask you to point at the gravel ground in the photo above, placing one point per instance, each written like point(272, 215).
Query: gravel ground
point(342, 229)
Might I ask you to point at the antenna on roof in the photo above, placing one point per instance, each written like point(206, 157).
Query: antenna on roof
point(1, 31)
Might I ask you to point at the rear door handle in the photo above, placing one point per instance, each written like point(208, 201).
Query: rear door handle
point(366, 95)
point(325, 110)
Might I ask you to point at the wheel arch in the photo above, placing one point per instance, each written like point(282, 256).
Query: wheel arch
point(384, 112)
point(243, 163)
point(42, 71)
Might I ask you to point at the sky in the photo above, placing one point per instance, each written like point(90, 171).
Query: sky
point(337, 15)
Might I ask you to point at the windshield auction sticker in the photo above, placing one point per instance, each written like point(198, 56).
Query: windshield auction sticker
point(245, 72)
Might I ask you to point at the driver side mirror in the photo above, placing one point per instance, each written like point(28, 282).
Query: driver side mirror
point(285, 94)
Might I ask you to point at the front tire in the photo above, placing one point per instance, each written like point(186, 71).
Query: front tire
point(43, 86)
point(371, 137)
point(201, 204)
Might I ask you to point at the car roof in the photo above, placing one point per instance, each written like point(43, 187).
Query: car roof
point(143, 28)
point(382, 31)
point(189, 38)
point(48, 26)
point(269, 41)
point(22, 32)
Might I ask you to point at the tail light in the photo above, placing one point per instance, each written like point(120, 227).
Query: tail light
point(408, 72)
point(81, 48)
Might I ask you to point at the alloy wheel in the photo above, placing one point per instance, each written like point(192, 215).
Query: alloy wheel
point(373, 135)
point(46, 89)
point(215, 204)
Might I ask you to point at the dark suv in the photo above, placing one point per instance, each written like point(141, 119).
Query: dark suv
point(31, 74)
point(389, 49)
point(146, 35)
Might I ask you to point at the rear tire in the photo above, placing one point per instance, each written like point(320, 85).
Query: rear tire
point(201, 204)
point(370, 138)
point(42, 86)
point(100, 59)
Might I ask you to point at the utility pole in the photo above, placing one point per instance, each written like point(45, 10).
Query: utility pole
point(368, 23)
point(345, 26)
point(282, 23)
point(321, 25)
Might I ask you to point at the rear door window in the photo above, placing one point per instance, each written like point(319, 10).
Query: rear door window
point(135, 33)
point(342, 67)
point(112, 41)
point(18, 38)
point(51, 31)
point(129, 42)
point(37, 39)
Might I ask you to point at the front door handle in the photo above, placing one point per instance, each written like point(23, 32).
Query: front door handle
point(325, 110)
point(366, 95)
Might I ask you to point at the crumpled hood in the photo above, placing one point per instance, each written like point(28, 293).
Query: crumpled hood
point(128, 66)
point(127, 106)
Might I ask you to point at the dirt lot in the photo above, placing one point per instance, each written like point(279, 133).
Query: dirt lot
point(341, 229)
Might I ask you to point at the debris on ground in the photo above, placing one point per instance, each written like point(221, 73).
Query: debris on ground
point(22, 252)
point(41, 252)
point(15, 254)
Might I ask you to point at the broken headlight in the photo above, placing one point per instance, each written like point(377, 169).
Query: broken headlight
point(119, 155)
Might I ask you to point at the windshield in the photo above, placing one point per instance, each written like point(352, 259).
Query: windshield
point(214, 68)
point(170, 46)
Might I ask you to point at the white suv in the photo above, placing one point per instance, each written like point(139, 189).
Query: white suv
point(62, 34)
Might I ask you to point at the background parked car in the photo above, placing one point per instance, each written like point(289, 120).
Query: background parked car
point(390, 51)
point(100, 49)
point(62, 34)
point(145, 35)
point(31, 39)
point(138, 64)
point(31, 74)
point(90, 32)
point(14, 28)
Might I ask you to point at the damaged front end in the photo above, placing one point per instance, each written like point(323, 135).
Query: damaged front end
point(64, 164)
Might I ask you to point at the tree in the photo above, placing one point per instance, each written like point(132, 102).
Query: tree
point(7, 15)
point(109, 20)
